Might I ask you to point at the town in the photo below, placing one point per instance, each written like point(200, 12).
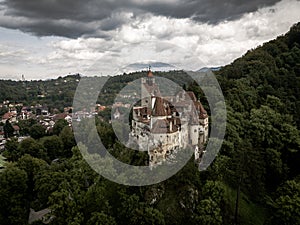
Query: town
point(18, 119)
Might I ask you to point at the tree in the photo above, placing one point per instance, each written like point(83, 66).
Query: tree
point(47, 182)
point(53, 146)
point(3, 110)
point(294, 35)
point(215, 190)
point(32, 166)
point(25, 126)
point(286, 206)
point(128, 204)
point(59, 126)
point(100, 218)
point(66, 205)
point(105, 114)
point(95, 199)
point(67, 137)
point(147, 216)
point(37, 131)
point(8, 130)
point(271, 130)
point(32, 147)
point(14, 207)
point(106, 133)
point(208, 213)
point(11, 151)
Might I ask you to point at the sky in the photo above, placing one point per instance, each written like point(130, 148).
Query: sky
point(49, 38)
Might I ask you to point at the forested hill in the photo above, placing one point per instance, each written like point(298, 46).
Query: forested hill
point(271, 69)
point(58, 93)
point(261, 152)
point(53, 93)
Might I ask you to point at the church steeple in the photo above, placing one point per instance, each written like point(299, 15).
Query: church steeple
point(150, 77)
point(150, 74)
point(149, 89)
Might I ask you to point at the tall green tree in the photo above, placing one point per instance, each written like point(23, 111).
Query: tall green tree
point(8, 129)
point(32, 147)
point(66, 205)
point(11, 151)
point(286, 205)
point(208, 212)
point(59, 126)
point(54, 146)
point(100, 218)
point(14, 207)
point(68, 140)
point(37, 131)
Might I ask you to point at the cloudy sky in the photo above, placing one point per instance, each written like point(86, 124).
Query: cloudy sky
point(49, 38)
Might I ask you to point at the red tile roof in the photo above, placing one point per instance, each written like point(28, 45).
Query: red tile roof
point(7, 116)
point(16, 128)
point(161, 107)
point(201, 111)
point(60, 116)
point(150, 74)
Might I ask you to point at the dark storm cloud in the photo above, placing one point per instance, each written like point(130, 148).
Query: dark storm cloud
point(86, 18)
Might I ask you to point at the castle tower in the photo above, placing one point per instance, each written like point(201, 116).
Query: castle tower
point(149, 90)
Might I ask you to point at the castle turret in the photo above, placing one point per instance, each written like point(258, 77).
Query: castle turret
point(149, 89)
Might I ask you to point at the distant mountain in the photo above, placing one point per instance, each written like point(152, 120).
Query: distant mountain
point(155, 66)
point(205, 69)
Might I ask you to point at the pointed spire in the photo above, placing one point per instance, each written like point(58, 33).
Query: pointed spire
point(150, 74)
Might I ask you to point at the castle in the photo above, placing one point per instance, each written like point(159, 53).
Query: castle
point(163, 125)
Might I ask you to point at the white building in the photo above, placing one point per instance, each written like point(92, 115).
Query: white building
point(163, 125)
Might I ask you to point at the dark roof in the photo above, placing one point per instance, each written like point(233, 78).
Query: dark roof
point(161, 107)
point(152, 89)
point(164, 126)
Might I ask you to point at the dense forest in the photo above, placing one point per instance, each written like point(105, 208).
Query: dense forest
point(254, 180)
